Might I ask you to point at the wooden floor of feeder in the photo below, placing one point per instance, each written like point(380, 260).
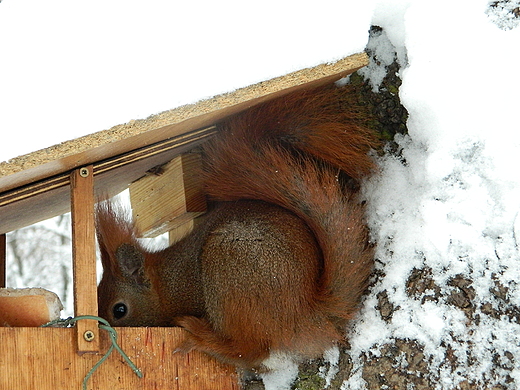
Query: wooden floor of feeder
point(45, 359)
point(72, 176)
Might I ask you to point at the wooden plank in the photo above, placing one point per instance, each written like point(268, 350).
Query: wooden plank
point(69, 155)
point(45, 359)
point(84, 258)
point(170, 197)
point(3, 259)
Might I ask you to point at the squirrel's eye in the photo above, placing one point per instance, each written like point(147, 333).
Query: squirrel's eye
point(119, 310)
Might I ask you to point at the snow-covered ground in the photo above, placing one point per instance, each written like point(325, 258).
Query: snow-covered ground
point(444, 210)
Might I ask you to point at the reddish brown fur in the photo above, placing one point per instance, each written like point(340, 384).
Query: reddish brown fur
point(282, 260)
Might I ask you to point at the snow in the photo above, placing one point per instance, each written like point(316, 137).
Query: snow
point(282, 372)
point(448, 201)
point(451, 201)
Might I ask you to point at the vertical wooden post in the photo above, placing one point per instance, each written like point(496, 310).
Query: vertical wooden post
point(3, 250)
point(84, 257)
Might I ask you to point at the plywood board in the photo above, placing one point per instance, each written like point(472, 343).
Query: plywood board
point(31, 186)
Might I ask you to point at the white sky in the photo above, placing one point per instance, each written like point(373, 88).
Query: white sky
point(70, 68)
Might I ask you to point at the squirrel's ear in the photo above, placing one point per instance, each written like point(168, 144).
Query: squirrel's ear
point(121, 254)
point(131, 263)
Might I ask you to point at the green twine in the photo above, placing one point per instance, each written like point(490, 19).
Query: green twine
point(113, 337)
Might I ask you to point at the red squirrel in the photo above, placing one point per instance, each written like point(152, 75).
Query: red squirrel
point(281, 259)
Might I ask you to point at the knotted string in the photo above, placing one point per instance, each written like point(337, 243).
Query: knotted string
point(113, 337)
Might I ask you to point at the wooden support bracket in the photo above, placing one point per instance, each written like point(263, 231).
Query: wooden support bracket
point(84, 258)
point(170, 198)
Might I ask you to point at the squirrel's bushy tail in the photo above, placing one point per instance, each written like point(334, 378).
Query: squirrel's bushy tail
point(293, 152)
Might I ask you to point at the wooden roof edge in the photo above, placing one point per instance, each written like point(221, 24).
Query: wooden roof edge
point(135, 134)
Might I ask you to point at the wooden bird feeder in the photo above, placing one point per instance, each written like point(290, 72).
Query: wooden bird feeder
point(157, 159)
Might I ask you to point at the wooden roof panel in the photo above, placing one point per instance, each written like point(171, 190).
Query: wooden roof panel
point(35, 187)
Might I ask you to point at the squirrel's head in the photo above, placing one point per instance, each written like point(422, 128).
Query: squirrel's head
point(126, 296)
